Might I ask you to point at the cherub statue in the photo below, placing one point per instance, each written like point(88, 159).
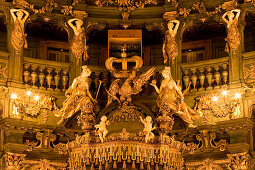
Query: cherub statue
point(233, 37)
point(18, 36)
point(170, 47)
point(147, 122)
point(126, 90)
point(101, 128)
point(78, 45)
point(78, 96)
point(171, 99)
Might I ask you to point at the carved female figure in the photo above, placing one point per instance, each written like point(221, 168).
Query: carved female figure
point(78, 45)
point(18, 36)
point(171, 100)
point(233, 37)
point(78, 96)
point(170, 47)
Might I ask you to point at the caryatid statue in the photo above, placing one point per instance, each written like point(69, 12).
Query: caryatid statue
point(171, 99)
point(18, 36)
point(170, 46)
point(233, 35)
point(78, 45)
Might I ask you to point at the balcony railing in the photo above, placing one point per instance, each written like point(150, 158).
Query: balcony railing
point(205, 75)
point(44, 74)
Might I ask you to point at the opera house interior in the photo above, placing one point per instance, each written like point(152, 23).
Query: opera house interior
point(127, 84)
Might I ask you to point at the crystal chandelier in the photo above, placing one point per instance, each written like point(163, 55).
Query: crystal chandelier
point(220, 105)
point(31, 103)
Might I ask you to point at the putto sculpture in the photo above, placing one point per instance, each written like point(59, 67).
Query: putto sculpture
point(78, 45)
point(233, 37)
point(101, 128)
point(170, 47)
point(147, 122)
point(171, 99)
point(78, 96)
point(18, 36)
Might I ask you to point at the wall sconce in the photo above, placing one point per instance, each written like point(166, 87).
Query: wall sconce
point(220, 105)
point(31, 103)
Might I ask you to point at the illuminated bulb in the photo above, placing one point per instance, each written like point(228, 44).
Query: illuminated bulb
point(238, 95)
point(29, 93)
point(37, 98)
point(224, 93)
point(214, 98)
point(14, 96)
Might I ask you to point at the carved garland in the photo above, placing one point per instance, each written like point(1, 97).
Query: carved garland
point(200, 7)
point(203, 140)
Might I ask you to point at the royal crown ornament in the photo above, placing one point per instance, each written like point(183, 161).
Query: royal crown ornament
point(124, 72)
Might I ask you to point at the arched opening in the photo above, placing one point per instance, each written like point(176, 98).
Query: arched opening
point(3, 33)
point(47, 40)
point(203, 41)
point(97, 41)
point(249, 33)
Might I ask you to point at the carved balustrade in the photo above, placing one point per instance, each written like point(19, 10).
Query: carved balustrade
point(205, 75)
point(44, 74)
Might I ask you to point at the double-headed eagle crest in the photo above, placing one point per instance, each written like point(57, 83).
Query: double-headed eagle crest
point(131, 86)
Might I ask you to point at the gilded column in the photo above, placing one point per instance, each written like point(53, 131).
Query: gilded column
point(16, 42)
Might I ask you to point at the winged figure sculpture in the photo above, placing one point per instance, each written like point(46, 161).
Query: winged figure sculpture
point(131, 86)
